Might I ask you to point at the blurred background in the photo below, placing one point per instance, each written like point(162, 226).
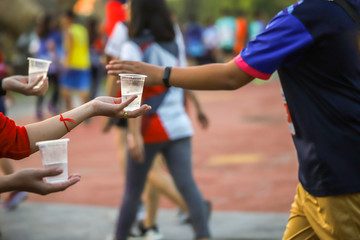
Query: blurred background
point(18, 18)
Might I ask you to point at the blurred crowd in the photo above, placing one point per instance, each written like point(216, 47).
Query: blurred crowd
point(220, 40)
point(82, 58)
point(210, 41)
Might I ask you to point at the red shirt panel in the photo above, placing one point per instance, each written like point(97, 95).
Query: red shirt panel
point(14, 140)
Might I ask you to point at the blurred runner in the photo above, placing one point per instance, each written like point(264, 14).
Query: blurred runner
point(48, 46)
point(76, 78)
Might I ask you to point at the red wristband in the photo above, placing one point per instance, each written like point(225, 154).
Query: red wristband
point(66, 119)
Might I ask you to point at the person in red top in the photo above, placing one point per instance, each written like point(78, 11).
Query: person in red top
point(14, 198)
point(115, 12)
point(17, 142)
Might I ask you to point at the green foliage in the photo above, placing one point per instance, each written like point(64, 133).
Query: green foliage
point(204, 9)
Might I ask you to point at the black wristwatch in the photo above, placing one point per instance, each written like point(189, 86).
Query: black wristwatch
point(2, 91)
point(166, 76)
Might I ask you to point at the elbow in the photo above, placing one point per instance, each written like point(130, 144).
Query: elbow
point(232, 84)
point(234, 77)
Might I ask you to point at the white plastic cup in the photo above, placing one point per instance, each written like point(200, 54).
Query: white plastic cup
point(38, 68)
point(54, 154)
point(132, 84)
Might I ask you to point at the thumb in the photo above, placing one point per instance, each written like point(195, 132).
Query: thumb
point(128, 101)
point(54, 171)
point(38, 80)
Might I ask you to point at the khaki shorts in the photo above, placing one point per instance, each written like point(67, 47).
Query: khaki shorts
point(328, 218)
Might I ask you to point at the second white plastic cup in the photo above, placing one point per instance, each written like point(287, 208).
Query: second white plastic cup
point(54, 154)
point(38, 68)
point(132, 84)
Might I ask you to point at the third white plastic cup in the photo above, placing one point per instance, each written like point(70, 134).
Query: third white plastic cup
point(38, 68)
point(54, 154)
point(132, 84)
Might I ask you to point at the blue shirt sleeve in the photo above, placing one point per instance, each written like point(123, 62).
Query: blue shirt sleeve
point(281, 43)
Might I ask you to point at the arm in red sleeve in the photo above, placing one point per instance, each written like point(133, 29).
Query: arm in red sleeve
point(14, 140)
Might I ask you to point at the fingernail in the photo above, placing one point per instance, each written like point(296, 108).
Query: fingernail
point(73, 180)
point(58, 170)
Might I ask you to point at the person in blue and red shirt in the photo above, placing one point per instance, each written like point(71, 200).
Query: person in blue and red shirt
point(314, 46)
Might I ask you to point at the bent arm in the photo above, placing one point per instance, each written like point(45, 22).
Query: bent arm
point(53, 128)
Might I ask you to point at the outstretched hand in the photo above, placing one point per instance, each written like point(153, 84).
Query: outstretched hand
point(31, 180)
point(113, 107)
point(153, 73)
point(20, 84)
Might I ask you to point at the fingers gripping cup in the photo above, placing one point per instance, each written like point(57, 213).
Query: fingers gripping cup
point(38, 68)
point(132, 84)
point(54, 154)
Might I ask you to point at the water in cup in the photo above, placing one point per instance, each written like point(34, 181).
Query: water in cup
point(35, 76)
point(38, 68)
point(59, 178)
point(132, 84)
point(54, 154)
point(134, 104)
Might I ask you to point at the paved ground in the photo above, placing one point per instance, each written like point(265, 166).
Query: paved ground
point(79, 222)
point(244, 162)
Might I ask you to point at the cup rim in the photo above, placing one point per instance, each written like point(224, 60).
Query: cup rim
point(132, 75)
point(39, 60)
point(52, 142)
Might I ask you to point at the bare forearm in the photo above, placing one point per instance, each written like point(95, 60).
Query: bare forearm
point(11, 182)
point(53, 128)
point(5, 183)
point(135, 126)
point(111, 85)
point(210, 77)
point(194, 100)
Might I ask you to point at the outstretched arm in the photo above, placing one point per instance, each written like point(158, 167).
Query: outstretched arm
point(218, 76)
point(53, 128)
